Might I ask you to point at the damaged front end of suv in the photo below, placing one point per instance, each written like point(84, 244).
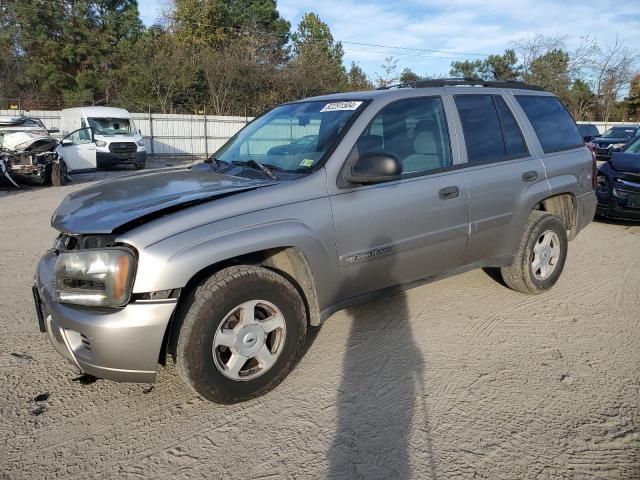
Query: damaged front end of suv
point(30, 157)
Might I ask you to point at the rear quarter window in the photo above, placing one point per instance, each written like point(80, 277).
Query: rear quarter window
point(554, 125)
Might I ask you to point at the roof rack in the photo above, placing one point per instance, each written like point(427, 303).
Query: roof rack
point(464, 81)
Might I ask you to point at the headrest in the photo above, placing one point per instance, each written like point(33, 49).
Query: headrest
point(425, 144)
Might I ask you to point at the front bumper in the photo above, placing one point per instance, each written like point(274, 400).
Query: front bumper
point(614, 206)
point(105, 159)
point(117, 344)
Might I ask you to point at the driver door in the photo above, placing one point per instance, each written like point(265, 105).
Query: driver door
point(78, 151)
point(402, 231)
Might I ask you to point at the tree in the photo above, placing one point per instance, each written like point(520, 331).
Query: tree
point(213, 23)
point(389, 74)
point(357, 79)
point(72, 48)
point(551, 72)
point(614, 71)
point(494, 67)
point(582, 100)
point(408, 76)
point(466, 68)
point(316, 66)
point(633, 101)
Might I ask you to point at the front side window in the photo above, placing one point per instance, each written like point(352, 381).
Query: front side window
point(111, 126)
point(491, 133)
point(633, 147)
point(553, 124)
point(80, 137)
point(292, 137)
point(414, 130)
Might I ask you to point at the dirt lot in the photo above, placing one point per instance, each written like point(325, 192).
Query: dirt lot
point(459, 379)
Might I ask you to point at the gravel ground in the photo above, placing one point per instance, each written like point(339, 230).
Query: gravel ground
point(462, 378)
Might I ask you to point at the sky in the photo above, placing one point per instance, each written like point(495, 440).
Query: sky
point(426, 36)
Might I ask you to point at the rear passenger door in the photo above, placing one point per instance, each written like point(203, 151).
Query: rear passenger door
point(499, 169)
point(400, 231)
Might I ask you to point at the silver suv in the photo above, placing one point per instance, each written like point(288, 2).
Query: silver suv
point(317, 205)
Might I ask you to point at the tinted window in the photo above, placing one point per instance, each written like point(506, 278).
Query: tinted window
point(482, 129)
point(553, 124)
point(619, 132)
point(588, 130)
point(414, 130)
point(513, 140)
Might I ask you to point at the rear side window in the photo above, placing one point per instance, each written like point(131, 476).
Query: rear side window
point(553, 124)
point(513, 141)
point(491, 132)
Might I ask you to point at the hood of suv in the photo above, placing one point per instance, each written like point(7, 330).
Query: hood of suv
point(108, 206)
point(626, 162)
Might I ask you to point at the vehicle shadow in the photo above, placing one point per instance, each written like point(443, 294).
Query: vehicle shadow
point(616, 221)
point(383, 428)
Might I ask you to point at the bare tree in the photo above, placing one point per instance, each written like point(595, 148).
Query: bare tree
point(612, 74)
point(389, 74)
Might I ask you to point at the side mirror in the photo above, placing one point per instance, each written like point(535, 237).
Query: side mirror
point(375, 167)
point(66, 142)
point(139, 131)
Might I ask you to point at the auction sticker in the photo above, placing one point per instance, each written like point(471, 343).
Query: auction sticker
point(307, 162)
point(339, 106)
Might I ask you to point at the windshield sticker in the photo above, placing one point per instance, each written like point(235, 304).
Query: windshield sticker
point(306, 162)
point(339, 106)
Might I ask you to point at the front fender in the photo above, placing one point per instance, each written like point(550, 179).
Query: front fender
point(172, 262)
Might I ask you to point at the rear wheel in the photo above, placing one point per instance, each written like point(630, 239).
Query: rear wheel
point(240, 333)
point(541, 255)
point(59, 174)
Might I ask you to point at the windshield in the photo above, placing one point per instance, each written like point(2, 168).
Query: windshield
point(619, 132)
point(633, 147)
point(112, 126)
point(292, 137)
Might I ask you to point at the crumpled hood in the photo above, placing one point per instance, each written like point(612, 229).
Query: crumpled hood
point(107, 206)
point(626, 162)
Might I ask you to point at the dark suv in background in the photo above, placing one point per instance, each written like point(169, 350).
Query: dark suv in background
point(588, 131)
point(614, 140)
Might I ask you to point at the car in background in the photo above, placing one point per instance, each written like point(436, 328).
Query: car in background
point(614, 140)
point(32, 125)
point(588, 131)
point(618, 188)
point(116, 137)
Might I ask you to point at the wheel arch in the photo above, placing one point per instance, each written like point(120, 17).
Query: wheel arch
point(288, 261)
point(563, 205)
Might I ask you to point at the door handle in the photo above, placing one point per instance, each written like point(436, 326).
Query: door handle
point(531, 176)
point(448, 192)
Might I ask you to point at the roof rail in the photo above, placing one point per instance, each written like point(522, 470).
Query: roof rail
point(464, 81)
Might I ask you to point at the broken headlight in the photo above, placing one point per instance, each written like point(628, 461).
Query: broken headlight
point(102, 278)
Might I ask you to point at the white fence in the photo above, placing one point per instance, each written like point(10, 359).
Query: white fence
point(198, 135)
point(167, 134)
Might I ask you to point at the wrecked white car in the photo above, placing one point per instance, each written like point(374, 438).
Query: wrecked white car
point(29, 153)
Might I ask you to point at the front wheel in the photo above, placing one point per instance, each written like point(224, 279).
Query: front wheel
point(541, 255)
point(240, 333)
point(59, 174)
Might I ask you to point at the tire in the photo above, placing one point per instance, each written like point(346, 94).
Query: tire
point(207, 316)
point(59, 174)
point(522, 276)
